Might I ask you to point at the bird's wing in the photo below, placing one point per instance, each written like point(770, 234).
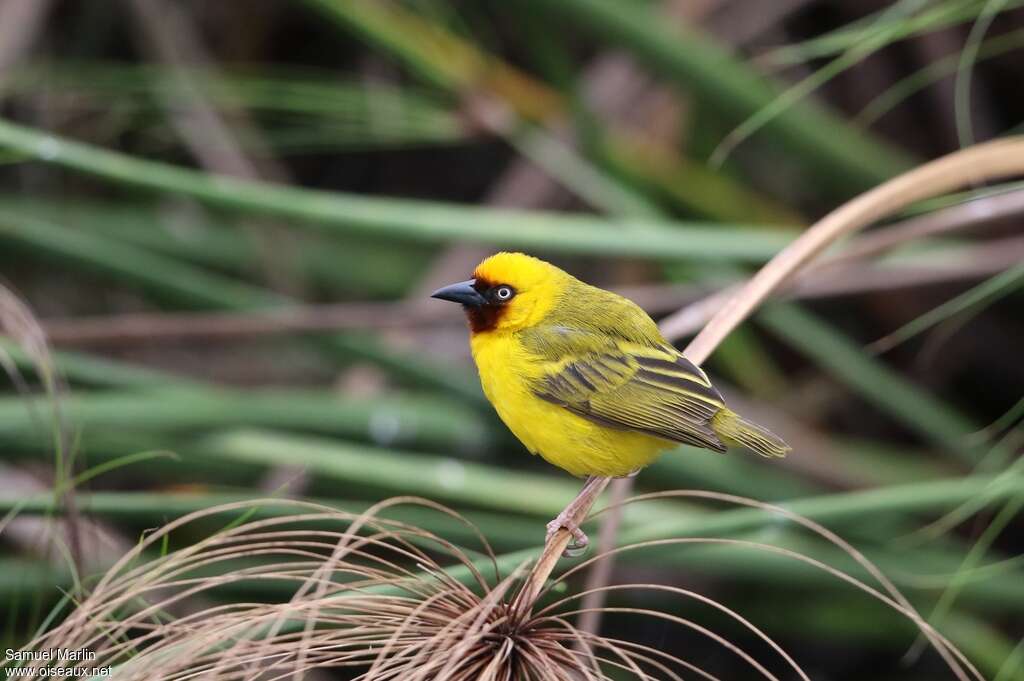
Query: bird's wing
point(620, 384)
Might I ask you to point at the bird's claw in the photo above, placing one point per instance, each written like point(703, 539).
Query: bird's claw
point(579, 538)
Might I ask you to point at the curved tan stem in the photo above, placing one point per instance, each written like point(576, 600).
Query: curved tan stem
point(691, 318)
point(981, 163)
point(555, 547)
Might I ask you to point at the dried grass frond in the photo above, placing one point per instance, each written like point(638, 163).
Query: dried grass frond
point(19, 326)
point(390, 601)
point(889, 594)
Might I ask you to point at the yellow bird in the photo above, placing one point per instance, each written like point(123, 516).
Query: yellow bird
point(583, 377)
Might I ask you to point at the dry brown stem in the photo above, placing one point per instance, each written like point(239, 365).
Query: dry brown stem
point(825, 280)
point(986, 162)
point(391, 601)
point(981, 163)
point(18, 323)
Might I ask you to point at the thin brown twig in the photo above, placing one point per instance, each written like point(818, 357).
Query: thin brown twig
point(965, 264)
point(970, 215)
point(976, 261)
point(600, 575)
point(133, 328)
point(817, 275)
point(986, 162)
point(826, 273)
point(555, 547)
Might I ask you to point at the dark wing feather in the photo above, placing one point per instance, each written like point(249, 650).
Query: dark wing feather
point(653, 390)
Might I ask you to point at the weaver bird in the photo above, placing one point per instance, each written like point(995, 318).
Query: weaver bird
point(583, 377)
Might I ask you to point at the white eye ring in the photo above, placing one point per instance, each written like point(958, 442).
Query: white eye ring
point(503, 293)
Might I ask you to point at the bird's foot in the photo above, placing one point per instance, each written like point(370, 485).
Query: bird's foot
point(579, 542)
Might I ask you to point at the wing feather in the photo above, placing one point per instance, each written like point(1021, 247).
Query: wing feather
point(651, 389)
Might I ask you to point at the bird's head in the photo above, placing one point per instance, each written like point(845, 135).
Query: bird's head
point(508, 292)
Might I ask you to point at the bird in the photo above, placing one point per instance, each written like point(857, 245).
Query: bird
point(583, 377)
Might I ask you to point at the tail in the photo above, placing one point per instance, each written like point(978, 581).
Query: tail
point(733, 430)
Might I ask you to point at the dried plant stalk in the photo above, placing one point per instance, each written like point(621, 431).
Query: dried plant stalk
point(981, 163)
point(391, 601)
point(987, 162)
point(819, 276)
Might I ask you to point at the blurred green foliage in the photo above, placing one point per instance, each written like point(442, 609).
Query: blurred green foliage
point(392, 138)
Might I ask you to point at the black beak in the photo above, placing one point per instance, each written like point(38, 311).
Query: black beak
point(463, 292)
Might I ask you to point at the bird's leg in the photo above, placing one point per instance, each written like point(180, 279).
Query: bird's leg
point(571, 517)
point(564, 519)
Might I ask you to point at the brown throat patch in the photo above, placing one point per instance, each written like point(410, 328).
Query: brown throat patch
point(484, 318)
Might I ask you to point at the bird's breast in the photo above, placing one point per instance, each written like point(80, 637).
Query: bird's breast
point(508, 372)
point(507, 369)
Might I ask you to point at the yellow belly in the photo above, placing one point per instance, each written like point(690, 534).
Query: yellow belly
point(564, 439)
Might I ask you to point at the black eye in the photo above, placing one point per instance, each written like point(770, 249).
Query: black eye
point(504, 293)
